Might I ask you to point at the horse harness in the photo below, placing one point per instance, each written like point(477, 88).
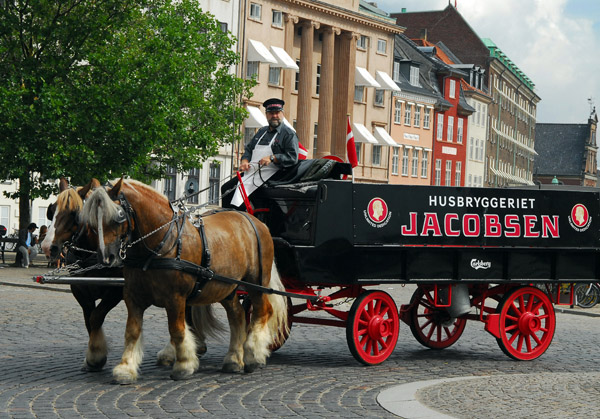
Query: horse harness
point(203, 272)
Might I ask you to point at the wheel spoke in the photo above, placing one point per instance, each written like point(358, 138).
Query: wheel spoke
point(431, 332)
point(537, 340)
point(520, 343)
point(511, 327)
point(429, 321)
point(513, 337)
point(527, 343)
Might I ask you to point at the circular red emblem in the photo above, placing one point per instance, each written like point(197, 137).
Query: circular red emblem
point(580, 215)
point(377, 210)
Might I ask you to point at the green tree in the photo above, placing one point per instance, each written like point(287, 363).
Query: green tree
point(104, 88)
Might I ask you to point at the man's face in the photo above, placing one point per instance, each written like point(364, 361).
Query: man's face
point(274, 118)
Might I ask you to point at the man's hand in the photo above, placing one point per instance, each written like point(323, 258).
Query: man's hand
point(244, 166)
point(265, 161)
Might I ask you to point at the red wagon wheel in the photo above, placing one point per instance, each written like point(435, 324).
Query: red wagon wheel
point(527, 323)
point(372, 327)
point(432, 326)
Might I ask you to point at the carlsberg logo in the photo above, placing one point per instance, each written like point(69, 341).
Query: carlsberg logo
point(479, 264)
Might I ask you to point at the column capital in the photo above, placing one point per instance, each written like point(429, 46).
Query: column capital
point(350, 35)
point(331, 29)
point(308, 23)
point(291, 18)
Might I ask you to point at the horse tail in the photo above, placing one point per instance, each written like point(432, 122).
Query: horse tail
point(204, 322)
point(278, 323)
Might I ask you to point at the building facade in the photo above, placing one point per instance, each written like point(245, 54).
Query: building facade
point(567, 153)
point(511, 116)
point(327, 61)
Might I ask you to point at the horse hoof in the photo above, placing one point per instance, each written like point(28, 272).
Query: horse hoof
point(248, 368)
point(180, 375)
point(164, 362)
point(231, 367)
point(97, 367)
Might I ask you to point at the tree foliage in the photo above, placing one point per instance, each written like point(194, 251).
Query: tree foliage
point(109, 87)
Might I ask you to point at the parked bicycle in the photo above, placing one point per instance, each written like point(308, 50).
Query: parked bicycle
point(587, 295)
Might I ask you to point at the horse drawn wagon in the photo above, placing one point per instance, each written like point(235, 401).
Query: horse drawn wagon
point(490, 255)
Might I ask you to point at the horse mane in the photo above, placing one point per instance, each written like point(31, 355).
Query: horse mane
point(68, 200)
point(98, 199)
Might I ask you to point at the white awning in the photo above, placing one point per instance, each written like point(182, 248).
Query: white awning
point(384, 138)
point(283, 59)
point(256, 119)
point(362, 134)
point(258, 52)
point(363, 78)
point(386, 81)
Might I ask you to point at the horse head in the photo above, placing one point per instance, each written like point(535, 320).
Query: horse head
point(108, 213)
point(64, 214)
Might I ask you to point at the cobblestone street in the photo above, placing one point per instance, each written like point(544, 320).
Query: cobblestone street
point(43, 341)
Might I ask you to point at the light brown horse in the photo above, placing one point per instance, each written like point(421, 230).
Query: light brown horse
point(136, 226)
point(65, 227)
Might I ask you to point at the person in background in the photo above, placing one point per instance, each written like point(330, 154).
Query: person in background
point(26, 246)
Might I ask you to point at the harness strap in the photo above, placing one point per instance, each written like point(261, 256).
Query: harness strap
point(208, 275)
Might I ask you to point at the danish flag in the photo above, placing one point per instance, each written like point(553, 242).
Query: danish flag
point(302, 152)
point(350, 147)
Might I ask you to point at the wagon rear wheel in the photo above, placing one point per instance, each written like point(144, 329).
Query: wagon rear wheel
point(527, 323)
point(431, 326)
point(372, 327)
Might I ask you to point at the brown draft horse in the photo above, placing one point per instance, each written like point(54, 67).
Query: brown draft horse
point(65, 227)
point(136, 226)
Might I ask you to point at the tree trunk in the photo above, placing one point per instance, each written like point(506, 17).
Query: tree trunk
point(24, 201)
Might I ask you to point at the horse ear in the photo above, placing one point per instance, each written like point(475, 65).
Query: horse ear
point(63, 184)
point(114, 191)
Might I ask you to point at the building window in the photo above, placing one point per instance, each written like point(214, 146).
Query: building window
point(192, 185)
point(42, 219)
point(424, 163)
point(359, 93)
point(405, 162)
point(440, 127)
point(417, 121)
point(170, 183)
point(248, 135)
point(5, 216)
point(414, 75)
point(438, 172)
point(362, 42)
point(318, 83)
point(452, 93)
point(277, 18)
point(457, 174)
point(297, 81)
point(395, 158)
point(407, 113)
point(255, 11)
point(379, 95)
point(415, 163)
point(478, 113)
point(214, 180)
point(223, 27)
point(450, 133)
point(315, 129)
point(398, 112)
point(471, 146)
point(396, 71)
point(459, 132)
point(448, 172)
point(426, 118)
point(381, 46)
point(358, 150)
point(274, 75)
point(470, 180)
point(252, 70)
point(376, 155)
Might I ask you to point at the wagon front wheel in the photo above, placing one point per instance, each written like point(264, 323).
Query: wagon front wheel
point(372, 327)
point(430, 325)
point(527, 323)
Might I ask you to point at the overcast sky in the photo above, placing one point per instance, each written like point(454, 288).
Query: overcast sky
point(556, 43)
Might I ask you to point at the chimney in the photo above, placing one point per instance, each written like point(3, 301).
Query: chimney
point(404, 10)
point(423, 34)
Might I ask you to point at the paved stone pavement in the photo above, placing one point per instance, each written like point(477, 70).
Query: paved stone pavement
point(43, 340)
